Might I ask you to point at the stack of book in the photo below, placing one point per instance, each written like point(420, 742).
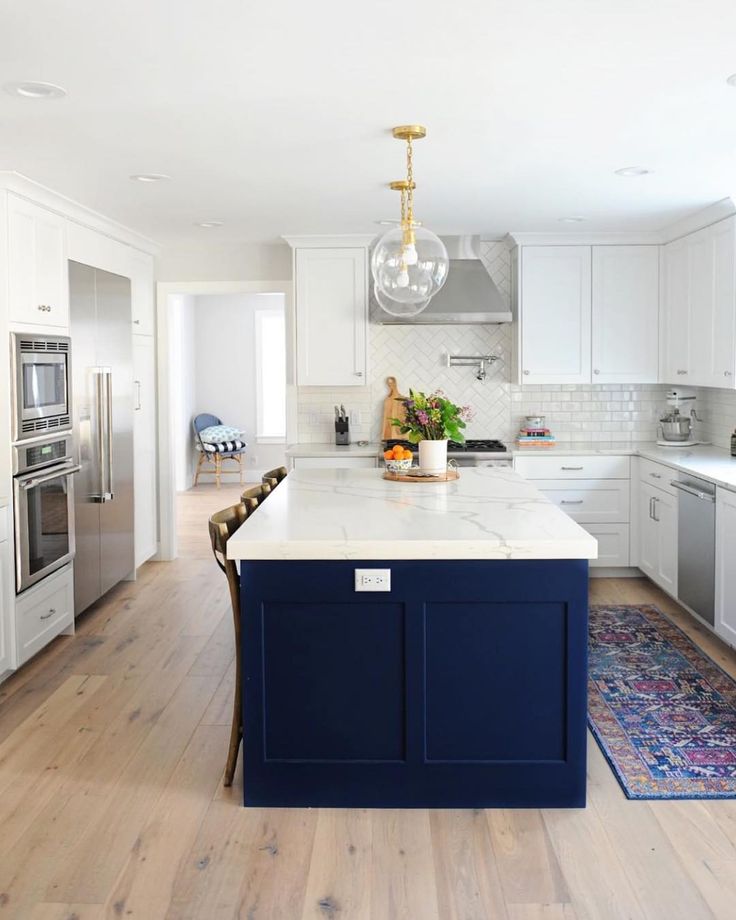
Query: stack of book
point(535, 437)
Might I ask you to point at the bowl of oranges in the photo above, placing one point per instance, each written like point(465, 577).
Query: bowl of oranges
point(398, 459)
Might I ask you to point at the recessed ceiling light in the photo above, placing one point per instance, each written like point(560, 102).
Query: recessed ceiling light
point(149, 177)
point(572, 220)
point(632, 171)
point(731, 80)
point(32, 90)
point(208, 223)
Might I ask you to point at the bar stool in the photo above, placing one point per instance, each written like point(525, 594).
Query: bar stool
point(255, 496)
point(275, 476)
point(222, 526)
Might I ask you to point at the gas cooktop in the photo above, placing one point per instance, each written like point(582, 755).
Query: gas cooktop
point(471, 446)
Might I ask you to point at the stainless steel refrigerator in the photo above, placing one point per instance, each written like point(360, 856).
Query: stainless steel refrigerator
point(102, 396)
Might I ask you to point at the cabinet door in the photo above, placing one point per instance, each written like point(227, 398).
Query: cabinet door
point(331, 316)
point(701, 277)
point(723, 351)
point(38, 280)
point(675, 314)
point(555, 314)
point(6, 649)
point(142, 293)
point(665, 514)
point(144, 435)
point(725, 569)
point(625, 314)
point(648, 560)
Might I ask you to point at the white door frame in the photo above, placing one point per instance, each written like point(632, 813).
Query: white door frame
point(166, 478)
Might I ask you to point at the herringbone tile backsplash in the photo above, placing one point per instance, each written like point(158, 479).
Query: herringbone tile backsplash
point(416, 356)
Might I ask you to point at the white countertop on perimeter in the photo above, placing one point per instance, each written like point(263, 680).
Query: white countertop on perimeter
point(713, 463)
point(488, 513)
point(371, 449)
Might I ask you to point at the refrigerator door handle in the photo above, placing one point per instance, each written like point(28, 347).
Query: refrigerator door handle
point(103, 392)
point(109, 495)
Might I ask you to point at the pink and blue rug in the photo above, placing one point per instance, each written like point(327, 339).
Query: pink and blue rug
point(662, 712)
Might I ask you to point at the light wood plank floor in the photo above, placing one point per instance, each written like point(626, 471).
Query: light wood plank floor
point(112, 746)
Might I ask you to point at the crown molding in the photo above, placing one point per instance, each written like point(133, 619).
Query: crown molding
point(715, 212)
point(21, 185)
point(640, 238)
point(344, 240)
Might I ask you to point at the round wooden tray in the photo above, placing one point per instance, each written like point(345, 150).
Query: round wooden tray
point(449, 476)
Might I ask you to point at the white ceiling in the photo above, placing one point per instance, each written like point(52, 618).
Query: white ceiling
point(274, 116)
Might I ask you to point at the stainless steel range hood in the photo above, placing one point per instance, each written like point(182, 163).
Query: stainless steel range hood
point(469, 295)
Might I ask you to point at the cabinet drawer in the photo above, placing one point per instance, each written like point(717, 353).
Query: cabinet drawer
point(572, 467)
point(43, 612)
point(590, 502)
point(334, 463)
point(657, 474)
point(613, 544)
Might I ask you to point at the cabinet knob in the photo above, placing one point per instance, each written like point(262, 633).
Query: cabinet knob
point(526, 373)
point(358, 373)
point(727, 374)
point(596, 371)
point(44, 308)
point(682, 372)
point(136, 322)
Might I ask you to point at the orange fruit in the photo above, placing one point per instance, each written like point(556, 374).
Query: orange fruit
point(388, 455)
point(408, 455)
point(398, 452)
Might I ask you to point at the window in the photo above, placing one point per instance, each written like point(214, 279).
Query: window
point(270, 375)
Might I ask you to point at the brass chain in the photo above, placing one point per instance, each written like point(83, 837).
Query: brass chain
point(410, 180)
point(403, 206)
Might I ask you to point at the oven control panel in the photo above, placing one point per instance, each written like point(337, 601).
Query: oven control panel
point(35, 456)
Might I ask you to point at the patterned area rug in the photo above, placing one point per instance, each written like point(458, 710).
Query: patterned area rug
point(663, 713)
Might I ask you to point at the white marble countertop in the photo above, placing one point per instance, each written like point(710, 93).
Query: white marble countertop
point(370, 449)
point(488, 513)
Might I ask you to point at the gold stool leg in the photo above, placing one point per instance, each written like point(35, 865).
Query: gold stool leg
point(218, 469)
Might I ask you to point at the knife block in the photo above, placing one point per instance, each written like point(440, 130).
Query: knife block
point(342, 433)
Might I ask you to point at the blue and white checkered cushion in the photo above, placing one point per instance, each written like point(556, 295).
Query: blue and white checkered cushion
point(221, 439)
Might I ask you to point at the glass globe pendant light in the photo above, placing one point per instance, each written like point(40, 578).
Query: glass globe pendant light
point(409, 262)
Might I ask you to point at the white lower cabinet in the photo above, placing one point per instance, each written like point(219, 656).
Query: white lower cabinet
point(43, 612)
point(725, 569)
point(592, 490)
point(334, 463)
point(144, 435)
point(7, 650)
point(657, 519)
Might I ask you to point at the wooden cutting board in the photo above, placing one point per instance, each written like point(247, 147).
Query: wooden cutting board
point(392, 408)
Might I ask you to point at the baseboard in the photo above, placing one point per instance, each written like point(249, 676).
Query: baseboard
point(623, 572)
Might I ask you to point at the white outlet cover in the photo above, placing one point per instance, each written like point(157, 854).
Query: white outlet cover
point(373, 579)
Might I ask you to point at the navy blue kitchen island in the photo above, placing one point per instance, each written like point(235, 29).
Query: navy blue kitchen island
point(464, 685)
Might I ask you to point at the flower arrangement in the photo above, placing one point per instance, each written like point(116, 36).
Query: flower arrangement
point(432, 417)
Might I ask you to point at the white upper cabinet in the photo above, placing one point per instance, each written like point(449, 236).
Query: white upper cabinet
point(331, 316)
point(699, 307)
point(142, 292)
point(555, 314)
point(675, 314)
point(38, 283)
point(625, 327)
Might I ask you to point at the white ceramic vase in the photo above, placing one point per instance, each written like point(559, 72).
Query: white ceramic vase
point(433, 457)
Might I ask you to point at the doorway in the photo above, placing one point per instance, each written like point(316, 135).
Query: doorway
point(227, 350)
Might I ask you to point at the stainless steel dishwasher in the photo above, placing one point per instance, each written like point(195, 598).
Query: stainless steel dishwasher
point(696, 544)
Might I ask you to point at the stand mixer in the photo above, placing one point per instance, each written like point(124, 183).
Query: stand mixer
point(676, 429)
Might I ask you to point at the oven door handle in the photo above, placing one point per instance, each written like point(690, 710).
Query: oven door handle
point(34, 481)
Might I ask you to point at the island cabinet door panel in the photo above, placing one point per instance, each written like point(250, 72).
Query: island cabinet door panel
point(485, 702)
point(464, 685)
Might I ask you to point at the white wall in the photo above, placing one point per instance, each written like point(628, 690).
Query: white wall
point(182, 371)
point(225, 262)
